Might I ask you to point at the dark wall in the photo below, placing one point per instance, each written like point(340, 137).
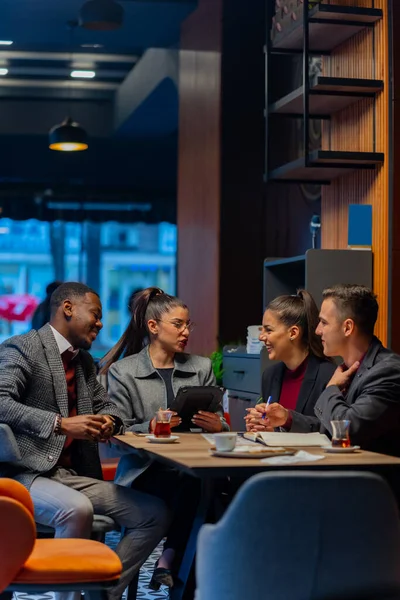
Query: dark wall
point(257, 220)
point(143, 163)
point(111, 170)
point(242, 244)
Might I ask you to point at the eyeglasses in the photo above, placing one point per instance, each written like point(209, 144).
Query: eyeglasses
point(180, 326)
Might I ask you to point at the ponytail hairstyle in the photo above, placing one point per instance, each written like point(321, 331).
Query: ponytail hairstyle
point(302, 311)
point(150, 303)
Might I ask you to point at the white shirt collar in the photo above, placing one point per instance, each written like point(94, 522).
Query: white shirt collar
point(62, 343)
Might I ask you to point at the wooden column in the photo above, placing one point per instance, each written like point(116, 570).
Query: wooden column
point(220, 174)
point(199, 178)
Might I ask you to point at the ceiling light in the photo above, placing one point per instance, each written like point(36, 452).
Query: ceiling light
point(83, 74)
point(69, 136)
point(6, 42)
point(101, 15)
point(3, 71)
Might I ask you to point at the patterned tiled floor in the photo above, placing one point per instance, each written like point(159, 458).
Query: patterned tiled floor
point(144, 593)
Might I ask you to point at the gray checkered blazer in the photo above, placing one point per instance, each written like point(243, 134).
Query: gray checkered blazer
point(33, 390)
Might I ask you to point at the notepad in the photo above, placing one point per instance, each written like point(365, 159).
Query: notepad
point(277, 438)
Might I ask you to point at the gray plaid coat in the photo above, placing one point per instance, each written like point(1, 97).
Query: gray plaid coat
point(33, 390)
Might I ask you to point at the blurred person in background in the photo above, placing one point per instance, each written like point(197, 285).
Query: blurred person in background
point(41, 316)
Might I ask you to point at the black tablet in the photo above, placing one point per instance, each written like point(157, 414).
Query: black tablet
point(189, 400)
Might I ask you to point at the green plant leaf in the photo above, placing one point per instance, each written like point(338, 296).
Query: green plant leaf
point(216, 361)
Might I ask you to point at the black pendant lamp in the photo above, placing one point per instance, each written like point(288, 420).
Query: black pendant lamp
point(101, 15)
point(68, 136)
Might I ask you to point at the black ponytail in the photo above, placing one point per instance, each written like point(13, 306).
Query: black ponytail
point(302, 311)
point(150, 303)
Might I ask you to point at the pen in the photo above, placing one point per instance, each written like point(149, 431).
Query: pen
point(268, 403)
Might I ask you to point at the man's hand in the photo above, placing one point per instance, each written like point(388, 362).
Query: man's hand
point(264, 417)
point(107, 429)
point(84, 427)
point(342, 377)
point(208, 421)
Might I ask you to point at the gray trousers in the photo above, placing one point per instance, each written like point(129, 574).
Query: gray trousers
point(67, 502)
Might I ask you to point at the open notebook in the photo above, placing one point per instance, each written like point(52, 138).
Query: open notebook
point(277, 438)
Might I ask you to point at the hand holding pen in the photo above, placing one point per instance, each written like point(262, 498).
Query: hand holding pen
point(269, 401)
point(266, 416)
point(275, 415)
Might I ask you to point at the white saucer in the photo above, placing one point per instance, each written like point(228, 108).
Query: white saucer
point(262, 454)
point(159, 440)
point(338, 450)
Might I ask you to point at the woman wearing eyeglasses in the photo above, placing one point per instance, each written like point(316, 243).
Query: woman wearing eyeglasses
point(153, 368)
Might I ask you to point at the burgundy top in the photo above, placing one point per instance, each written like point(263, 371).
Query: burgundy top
point(291, 384)
point(67, 358)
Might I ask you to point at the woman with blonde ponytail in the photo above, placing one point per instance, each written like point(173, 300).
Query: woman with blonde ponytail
point(292, 385)
point(145, 370)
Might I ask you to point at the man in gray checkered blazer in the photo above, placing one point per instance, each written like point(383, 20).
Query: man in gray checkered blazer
point(51, 399)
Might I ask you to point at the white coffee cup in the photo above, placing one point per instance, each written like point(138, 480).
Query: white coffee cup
point(225, 442)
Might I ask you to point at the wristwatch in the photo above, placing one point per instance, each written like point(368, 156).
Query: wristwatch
point(57, 425)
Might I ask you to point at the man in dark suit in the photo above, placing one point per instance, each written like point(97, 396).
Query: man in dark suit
point(365, 388)
point(51, 399)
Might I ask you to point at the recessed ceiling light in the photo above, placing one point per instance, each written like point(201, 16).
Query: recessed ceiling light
point(6, 42)
point(83, 74)
point(92, 45)
point(3, 71)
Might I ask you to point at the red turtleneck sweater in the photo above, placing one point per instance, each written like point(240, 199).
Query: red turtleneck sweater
point(291, 385)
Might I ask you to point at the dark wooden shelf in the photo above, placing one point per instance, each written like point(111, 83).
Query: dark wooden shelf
point(325, 165)
point(327, 96)
point(329, 26)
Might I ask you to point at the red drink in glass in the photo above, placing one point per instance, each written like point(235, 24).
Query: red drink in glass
point(342, 443)
point(162, 429)
point(341, 433)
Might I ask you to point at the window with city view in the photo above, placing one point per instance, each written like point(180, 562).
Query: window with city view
point(114, 258)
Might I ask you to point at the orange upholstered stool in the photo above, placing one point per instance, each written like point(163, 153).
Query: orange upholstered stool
point(68, 561)
point(12, 489)
point(31, 565)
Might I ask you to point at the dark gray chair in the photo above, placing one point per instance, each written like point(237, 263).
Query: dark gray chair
point(303, 535)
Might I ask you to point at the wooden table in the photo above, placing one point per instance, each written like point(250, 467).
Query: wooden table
point(191, 454)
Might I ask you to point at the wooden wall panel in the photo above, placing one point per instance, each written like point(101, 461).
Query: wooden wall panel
point(199, 171)
point(395, 178)
point(362, 127)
